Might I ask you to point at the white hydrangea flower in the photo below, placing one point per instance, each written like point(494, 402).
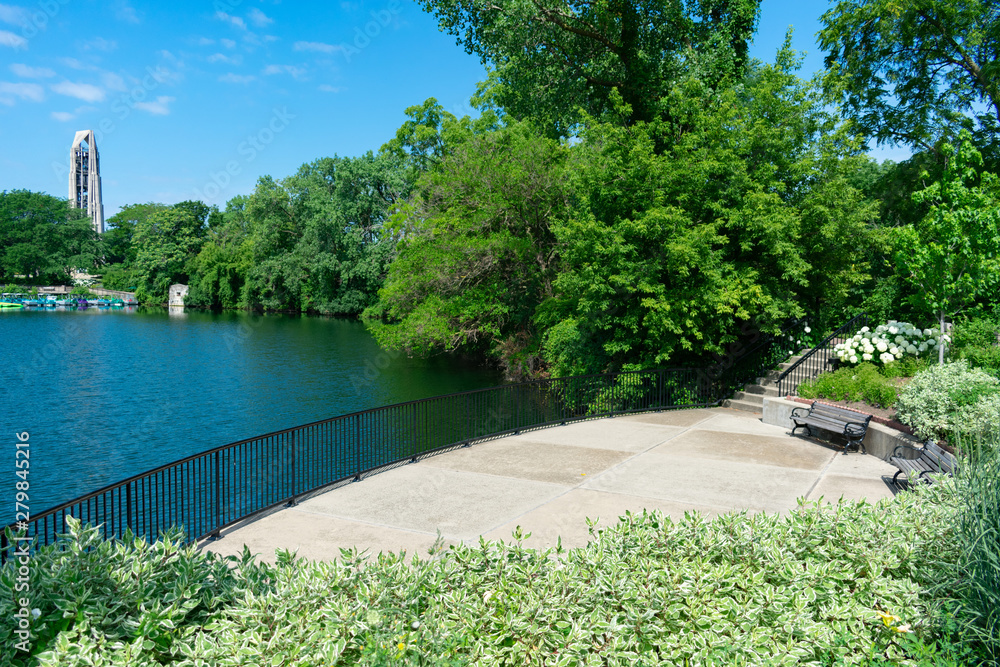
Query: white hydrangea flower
point(867, 356)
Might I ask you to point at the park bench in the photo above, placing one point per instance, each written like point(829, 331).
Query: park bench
point(852, 425)
point(930, 459)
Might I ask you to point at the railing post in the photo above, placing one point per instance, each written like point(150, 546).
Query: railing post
point(128, 506)
point(292, 503)
point(218, 496)
point(357, 446)
point(517, 410)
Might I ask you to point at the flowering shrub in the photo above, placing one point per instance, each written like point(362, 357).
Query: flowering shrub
point(887, 343)
point(982, 418)
point(929, 402)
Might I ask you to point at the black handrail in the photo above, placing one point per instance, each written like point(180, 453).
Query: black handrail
point(744, 366)
point(817, 359)
point(207, 492)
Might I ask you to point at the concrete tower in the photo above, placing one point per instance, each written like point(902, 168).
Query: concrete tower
point(85, 178)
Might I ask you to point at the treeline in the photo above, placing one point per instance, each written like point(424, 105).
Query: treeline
point(635, 192)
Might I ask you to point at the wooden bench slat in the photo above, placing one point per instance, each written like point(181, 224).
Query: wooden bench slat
point(932, 460)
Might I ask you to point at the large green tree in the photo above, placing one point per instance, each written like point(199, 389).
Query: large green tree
point(552, 58)
point(313, 241)
point(43, 240)
point(911, 71)
point(165, 240)
point(952, 256)
point(476, 253)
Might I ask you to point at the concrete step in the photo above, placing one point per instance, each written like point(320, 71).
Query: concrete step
point(745, 406)
point(746, 397)
point(764, 390)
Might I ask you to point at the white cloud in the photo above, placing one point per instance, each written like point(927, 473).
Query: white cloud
point(26, 72)
point(327, 88)
point(12, 40)
point(100, 44)
point(81, 91)
point(228, 43)
point(237, 78)
point(112, 81)
point(318, 47)
point(296, 73)
point(74, 63)
point(233, 20)
point(223, 58)
point(270, 38)
point(259, 18)
point(18, 16)
point(205, 41)
point(125, 12)
point(10, 92)
point(158, 107)
point(63, 116)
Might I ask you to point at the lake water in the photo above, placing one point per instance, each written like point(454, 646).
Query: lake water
point(106, 394)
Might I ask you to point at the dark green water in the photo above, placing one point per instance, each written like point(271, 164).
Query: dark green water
point(105, 394)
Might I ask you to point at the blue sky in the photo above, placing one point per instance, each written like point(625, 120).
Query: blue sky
point(197, 100)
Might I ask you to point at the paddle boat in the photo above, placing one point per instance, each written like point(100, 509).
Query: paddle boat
point(10, 301)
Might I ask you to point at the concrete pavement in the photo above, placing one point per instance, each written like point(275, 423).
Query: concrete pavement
point(549, 481)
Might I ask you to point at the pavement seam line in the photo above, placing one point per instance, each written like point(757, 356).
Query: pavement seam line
point(619, 464)
point(822, 474)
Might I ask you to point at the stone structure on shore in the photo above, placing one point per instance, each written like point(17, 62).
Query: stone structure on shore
point(85, 178)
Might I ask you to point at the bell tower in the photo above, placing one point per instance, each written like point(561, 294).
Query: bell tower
point(85, 178)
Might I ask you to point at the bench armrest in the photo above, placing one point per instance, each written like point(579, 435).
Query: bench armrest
point(795, 412)
point(856, 427)
point(901, 448)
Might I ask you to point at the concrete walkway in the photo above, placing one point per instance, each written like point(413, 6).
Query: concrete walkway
point(550, 480)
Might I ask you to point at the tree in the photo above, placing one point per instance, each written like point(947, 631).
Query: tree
point(476, 253)
point(42, 239)
point(166, 240)
point(551, 58)
point(911, 71)
point(120, 229)
point(953, 255)
point(313, 241)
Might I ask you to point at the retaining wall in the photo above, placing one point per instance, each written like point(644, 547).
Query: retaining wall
point(880, 440)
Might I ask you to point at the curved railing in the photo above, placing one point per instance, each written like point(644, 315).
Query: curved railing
point(818, 359)
point(208, 492)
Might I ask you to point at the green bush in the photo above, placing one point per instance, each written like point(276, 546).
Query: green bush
point(927, 405)
point(863, 382)
point(980, 418)
point(975, 341)
point(819, 585)
point(906, 367)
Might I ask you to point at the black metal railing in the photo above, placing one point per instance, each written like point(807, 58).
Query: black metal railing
point(820, 358)
point(207, 492)
point(755, 359)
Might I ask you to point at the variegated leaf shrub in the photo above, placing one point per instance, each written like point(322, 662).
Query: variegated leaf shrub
point(822, 584)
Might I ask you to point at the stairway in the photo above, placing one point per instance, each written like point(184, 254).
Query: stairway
point(751, 399)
